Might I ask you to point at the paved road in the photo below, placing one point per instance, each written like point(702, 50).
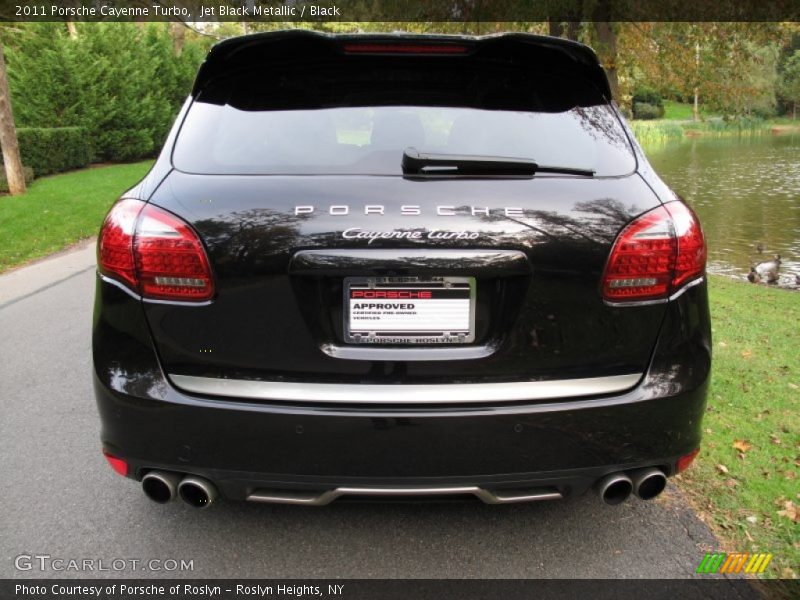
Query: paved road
point(58, 496)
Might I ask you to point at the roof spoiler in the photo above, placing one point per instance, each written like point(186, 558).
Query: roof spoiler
point(297, 45)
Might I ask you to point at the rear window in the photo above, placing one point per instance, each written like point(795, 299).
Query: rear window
point(347, 124)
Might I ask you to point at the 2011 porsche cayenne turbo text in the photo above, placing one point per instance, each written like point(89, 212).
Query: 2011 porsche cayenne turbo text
point(400, 266)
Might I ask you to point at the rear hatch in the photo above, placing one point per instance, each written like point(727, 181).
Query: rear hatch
point(290, 167)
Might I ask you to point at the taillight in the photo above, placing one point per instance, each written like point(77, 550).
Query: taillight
point(154, 253)
point(115, 243)
point(691, 261)
point(655, 255)
point(171, 263)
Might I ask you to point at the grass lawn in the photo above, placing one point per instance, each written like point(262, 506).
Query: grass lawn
point(745, 481)
point(60, 210)
point(680, 111)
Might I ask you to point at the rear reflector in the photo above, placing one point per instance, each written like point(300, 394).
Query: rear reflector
point(118, 464)
point(655, 255)
point(154, 253)
point(686, 460)
point(372, 48)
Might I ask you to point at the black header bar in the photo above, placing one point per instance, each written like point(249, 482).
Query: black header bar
point(296, 12)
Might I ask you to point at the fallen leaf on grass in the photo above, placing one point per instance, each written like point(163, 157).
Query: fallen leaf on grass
point(752, 519)
point(742, 445)
point(775, 439)
point(790, 475)
point(746, 353)
point(722, 469)
point(794, 386)
point(731, 483)
point(723, 345)
point(790, 511)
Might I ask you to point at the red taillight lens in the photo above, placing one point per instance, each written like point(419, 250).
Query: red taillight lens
point(691, 261)
point(171, 262)
point(115, 243)
point(686, 460)
point(154, 253)
point(655, 255)
point(118, 464)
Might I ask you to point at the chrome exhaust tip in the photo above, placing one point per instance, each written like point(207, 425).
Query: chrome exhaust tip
point(160, 486)
point(197, 492)
point(614, 488)
point(648, 483)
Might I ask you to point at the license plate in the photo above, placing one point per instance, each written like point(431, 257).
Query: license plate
point(409, 310)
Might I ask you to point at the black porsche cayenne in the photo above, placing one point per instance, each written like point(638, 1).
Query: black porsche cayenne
point(395, 265)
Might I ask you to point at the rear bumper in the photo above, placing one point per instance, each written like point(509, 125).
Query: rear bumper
point(246, 446)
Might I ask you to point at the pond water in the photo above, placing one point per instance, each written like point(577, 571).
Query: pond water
point(746, 192)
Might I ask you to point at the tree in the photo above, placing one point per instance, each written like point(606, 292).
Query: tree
point(728, 67)
point(790, 82)
point(606, 44)
point(120, 82)
point(8, 135)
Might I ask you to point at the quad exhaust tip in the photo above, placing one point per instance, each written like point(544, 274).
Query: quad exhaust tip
point(163, 487)
point(197, 492)
point(615, 488)
point(645, 483)
point(648, 483)
point(160, 486)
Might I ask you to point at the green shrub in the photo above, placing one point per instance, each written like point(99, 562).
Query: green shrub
point(120, 82)
point(123, 145)
point(645, 111)
point(27, 171)
point(54, 149)
point(648, 95)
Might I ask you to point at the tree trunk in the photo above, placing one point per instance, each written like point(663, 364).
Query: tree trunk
point(696, 105)
point(607, 49)
point(573, 30)
point(569, 30)
point(73, 31)
point(178, 33)
point(8, 136)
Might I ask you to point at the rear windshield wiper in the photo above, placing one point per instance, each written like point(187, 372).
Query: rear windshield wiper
point(427, 164)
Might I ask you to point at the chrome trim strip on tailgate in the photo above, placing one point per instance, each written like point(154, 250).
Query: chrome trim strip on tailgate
point(348, 393)
point(376, 352)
